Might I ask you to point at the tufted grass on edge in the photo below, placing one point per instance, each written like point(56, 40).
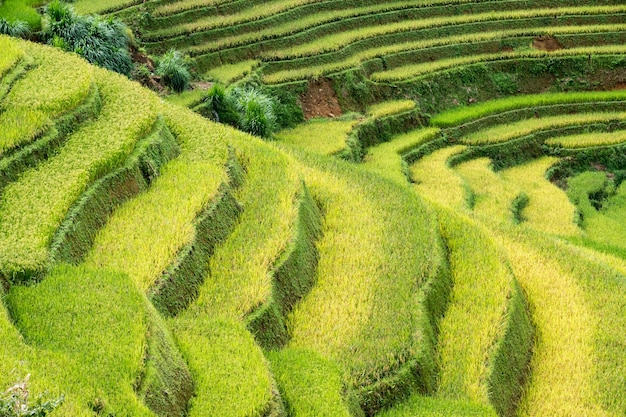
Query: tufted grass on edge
point(368, 319)
point(32, 208)
point(548, 210)
point(408, 72)
point(323, 136)
point(86, 331)
point(42, 94)
point(506, 132)
point(143, 236)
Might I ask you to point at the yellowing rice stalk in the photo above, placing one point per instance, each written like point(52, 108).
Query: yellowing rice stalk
point(563, 364)
point(548, 210)
point(184, 5)
point(338, 40)
point(386, 159)
point(362, 56)
point(387, 108)
point(482, 284)
point(492, 194)
point(413, 71)
point(32, 208)
point(11, 54)
point(506, 132)
point(228, 73)
point(435, 180)
point(144, 235)
point(323, 136)
point(586, 140)
point(240, 268)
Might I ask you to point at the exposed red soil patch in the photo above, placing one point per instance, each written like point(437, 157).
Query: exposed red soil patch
point(320, 100)
point(620, 86)
point(547, 43)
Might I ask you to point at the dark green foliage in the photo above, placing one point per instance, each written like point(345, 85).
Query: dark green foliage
point(256, 112)
point(15, 402)
point(102, 41)
point(165, 385)
point(174, 69)
point(17, 29)
point(505, 83)
point(517, 207)
point(219, 106)
point(78, 230)
point(286, 109)
point(510, 363)
point(179, 284)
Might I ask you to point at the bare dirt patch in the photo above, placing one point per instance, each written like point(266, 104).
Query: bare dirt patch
point(547, 43)
point(320, 100)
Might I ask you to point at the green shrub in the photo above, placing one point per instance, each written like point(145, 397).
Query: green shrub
point(219, 106)
point(14, 403)
point(102, 41)
point(174, 70)
point(17, 29)
point(256, 112)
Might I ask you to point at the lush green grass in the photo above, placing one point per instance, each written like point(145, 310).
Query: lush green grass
point(506, 132)
point(585, 140)
point(30, 108)
point(15, 10)
point(408, 72)
point(464, 114)
point(144, 236)
point(435, 180)
point(548, 210)
point(311, 385)
point(32, 208)
point(230, 372)
point(323, 136)
point(386, 158)
point(95, 323)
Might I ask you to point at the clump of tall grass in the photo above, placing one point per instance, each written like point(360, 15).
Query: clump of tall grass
point(17, 29)
point(102, 41)
point(174, 69)
point(256, 112)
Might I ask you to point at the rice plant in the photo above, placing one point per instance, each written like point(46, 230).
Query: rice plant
point(585, 140)
point(326, 137)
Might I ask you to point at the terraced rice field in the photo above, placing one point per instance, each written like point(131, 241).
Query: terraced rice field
point(450, 246)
